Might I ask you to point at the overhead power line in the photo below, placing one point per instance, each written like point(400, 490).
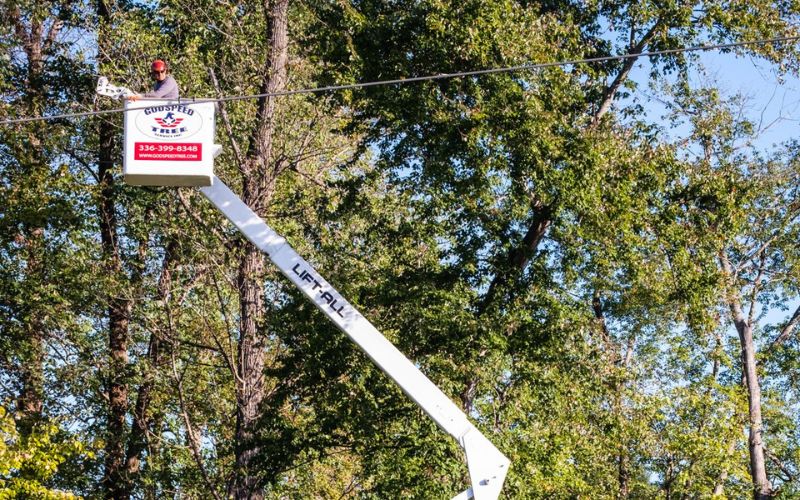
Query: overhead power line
point(438, 76)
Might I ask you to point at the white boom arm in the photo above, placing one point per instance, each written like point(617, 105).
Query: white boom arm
point(487, 465)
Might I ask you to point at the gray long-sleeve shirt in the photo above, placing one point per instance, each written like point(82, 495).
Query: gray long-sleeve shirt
point(165, 89)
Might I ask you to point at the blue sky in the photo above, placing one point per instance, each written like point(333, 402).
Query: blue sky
point(772, 104)
point(773, 101)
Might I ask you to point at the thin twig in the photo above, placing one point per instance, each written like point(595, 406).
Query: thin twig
point(193, 439)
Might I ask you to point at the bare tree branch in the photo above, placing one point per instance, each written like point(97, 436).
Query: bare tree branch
point(756, 287)
point(779, 463)
point(194, 440)
point(611, 91)
point(786, 331)
point(223, 112)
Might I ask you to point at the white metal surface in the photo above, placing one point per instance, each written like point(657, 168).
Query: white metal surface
point(487, 465)
point(169, 142)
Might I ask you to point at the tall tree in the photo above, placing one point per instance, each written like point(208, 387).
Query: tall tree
point(747, 204)
point(35, 35)
point(126, 42)
point(530, 240)
point(260, 170)
point(118, 305)
point(277, 142)
point(515, 158)
point(44, 296)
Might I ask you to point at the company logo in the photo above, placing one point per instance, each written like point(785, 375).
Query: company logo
point(169, 121)
point(329, 297)
point(172, 121)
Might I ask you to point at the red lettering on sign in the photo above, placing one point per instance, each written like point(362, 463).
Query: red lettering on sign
point(160, 151)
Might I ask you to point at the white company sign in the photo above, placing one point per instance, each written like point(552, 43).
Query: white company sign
point(169, 143)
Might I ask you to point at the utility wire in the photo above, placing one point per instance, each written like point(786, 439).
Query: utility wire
point(439, 76)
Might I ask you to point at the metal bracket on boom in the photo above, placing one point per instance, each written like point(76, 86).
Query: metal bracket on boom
point(487, 465)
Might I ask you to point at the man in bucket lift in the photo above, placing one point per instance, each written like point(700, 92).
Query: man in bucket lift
point(165, 86)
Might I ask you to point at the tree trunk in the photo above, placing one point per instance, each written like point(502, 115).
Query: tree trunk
point(137, 441)
point(34, 40)
point(623, 473)
point(763, 488)
point(719, 487)
point(259, 175)
point(30, 401)
point(115, 479)
point(119, 308)
point(251, 356)
point(761, 484)
point(616, 358)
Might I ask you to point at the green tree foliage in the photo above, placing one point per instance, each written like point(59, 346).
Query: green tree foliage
point(554, 207)
point(28, 463)
point(46, 250)
point(530, 239)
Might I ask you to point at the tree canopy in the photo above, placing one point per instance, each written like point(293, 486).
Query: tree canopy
point(610, 293)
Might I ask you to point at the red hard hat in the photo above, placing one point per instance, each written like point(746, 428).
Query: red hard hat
point(158, 65)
